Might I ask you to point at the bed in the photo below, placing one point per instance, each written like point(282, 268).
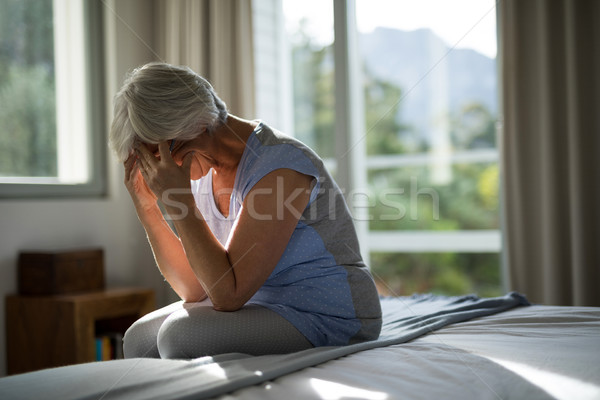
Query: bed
point(431, 347)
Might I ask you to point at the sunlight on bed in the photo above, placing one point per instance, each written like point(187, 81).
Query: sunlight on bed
point(334, 391)
point(209, 367)
point(559, 386)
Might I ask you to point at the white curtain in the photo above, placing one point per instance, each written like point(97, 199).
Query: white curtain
point(551, 148)
point(214, 38)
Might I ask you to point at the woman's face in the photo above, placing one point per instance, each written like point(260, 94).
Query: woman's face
point(200, 162)
point(180, 149)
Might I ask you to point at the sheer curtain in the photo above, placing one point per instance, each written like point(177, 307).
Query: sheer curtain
point(551, 148)
point(214, 38)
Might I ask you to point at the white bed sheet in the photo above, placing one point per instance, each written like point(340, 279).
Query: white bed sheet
point(536, 352)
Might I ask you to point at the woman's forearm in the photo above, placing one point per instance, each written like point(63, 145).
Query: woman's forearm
point(170, 256)
point(207, 257)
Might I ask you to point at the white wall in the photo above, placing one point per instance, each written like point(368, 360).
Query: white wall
point(109, 222)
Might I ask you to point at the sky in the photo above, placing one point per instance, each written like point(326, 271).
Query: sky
point(460, 23)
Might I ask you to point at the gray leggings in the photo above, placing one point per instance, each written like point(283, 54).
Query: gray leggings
point(190, 330)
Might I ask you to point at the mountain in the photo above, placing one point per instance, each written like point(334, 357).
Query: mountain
point(435, 79)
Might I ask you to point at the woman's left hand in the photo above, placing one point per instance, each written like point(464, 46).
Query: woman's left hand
point(162, 175)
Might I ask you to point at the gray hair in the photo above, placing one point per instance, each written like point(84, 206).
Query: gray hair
point(159, 102)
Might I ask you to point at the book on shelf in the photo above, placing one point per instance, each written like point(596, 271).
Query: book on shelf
point(109, 346)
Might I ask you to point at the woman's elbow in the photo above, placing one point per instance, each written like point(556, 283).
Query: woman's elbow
point(192, 297)
point(228, 305)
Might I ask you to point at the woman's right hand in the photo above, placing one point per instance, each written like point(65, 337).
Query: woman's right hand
point(143, 198)
point(168, 251)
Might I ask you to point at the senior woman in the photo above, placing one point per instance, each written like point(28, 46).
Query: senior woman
point(262, 230)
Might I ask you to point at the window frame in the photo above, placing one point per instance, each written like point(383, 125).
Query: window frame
point(44, 187)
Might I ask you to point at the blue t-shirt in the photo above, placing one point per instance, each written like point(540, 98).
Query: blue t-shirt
point(320, 284)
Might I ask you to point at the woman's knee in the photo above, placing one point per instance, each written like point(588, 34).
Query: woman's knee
point(140, 339)
point(173, 339)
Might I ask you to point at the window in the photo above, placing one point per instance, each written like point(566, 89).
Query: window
point(423, 181)
point(295, 69)
point(51, 119)
point(429, 76)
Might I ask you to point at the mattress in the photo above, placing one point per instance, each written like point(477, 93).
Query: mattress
point(431, 347)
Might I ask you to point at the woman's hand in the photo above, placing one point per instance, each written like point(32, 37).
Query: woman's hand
point(139, 191)
point(162, 175)
point(166, 246)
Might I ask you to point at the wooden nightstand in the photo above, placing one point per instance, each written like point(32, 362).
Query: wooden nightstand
point(51, 331)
